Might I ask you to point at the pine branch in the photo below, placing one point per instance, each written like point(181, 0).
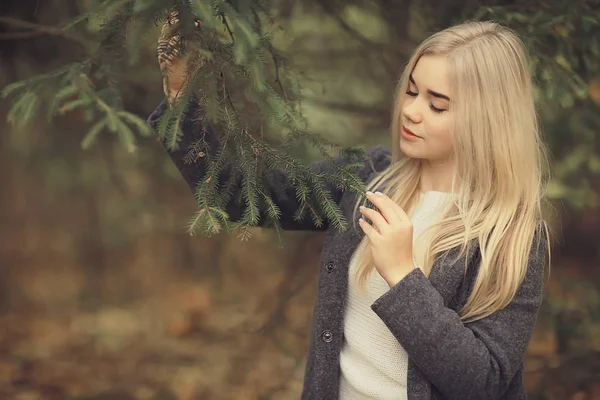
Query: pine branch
point(224, 20)
point(237, 81)
point(273, 213)
point(20, 35)
point(37, 30)
point(315, 215)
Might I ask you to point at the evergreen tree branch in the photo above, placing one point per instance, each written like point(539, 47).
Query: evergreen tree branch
point(20, 35)
point(240, 83)
point(37, 29)
point(224, 20)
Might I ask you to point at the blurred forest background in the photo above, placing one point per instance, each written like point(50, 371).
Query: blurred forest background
point(104, 296)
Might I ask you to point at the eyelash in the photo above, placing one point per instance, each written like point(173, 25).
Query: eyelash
point(434, 109)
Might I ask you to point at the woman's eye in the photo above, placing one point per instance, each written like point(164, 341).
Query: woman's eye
point(431, 106)
point(435, 109)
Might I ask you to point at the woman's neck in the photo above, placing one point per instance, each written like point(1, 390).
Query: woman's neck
point(436, 176)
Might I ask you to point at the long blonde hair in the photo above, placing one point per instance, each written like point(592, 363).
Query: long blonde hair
point(501, 163)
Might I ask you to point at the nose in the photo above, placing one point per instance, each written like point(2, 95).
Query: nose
point(410, 111)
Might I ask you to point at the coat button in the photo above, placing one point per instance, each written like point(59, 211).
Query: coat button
point(420, 386)
point(327, 336)
point(330, 266)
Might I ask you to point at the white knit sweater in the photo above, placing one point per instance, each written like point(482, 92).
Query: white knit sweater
point(373, 364)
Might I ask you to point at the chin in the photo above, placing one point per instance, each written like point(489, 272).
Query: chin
point(408, 149)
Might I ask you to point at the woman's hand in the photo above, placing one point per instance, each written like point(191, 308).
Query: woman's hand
point(174, 65)
point(390, 237)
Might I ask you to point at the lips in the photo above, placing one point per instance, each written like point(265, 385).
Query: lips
point(409, 131)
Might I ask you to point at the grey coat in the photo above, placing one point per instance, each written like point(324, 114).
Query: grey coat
point(448, 359)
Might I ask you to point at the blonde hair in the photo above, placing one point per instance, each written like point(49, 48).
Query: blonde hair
point(500, 162)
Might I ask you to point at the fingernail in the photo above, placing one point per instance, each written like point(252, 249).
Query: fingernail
point(361, 220)
point(369, 193)
point(379, 193)
point(361, 207)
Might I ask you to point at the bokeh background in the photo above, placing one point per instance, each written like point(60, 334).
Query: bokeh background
point(103, 295)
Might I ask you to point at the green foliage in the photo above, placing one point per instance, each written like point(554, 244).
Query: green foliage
point(238, 78)
point(73, 90)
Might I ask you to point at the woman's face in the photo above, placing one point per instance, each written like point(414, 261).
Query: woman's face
point(427, 113)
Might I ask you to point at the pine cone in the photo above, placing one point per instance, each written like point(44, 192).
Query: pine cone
point(172, 58)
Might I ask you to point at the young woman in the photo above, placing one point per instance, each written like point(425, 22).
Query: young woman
point(437, 295)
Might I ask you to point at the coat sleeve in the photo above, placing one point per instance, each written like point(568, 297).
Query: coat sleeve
point(375, 158)
point(474, 360)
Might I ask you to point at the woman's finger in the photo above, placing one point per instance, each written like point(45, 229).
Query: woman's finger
point(369, 231)
point(376, 218)
point(383, 205)
point(389, 208)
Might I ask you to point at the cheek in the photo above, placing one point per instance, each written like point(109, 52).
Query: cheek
point(441, 131)
point(440, 144)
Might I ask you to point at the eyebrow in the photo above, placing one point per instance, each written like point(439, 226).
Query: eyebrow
point(431, 92)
